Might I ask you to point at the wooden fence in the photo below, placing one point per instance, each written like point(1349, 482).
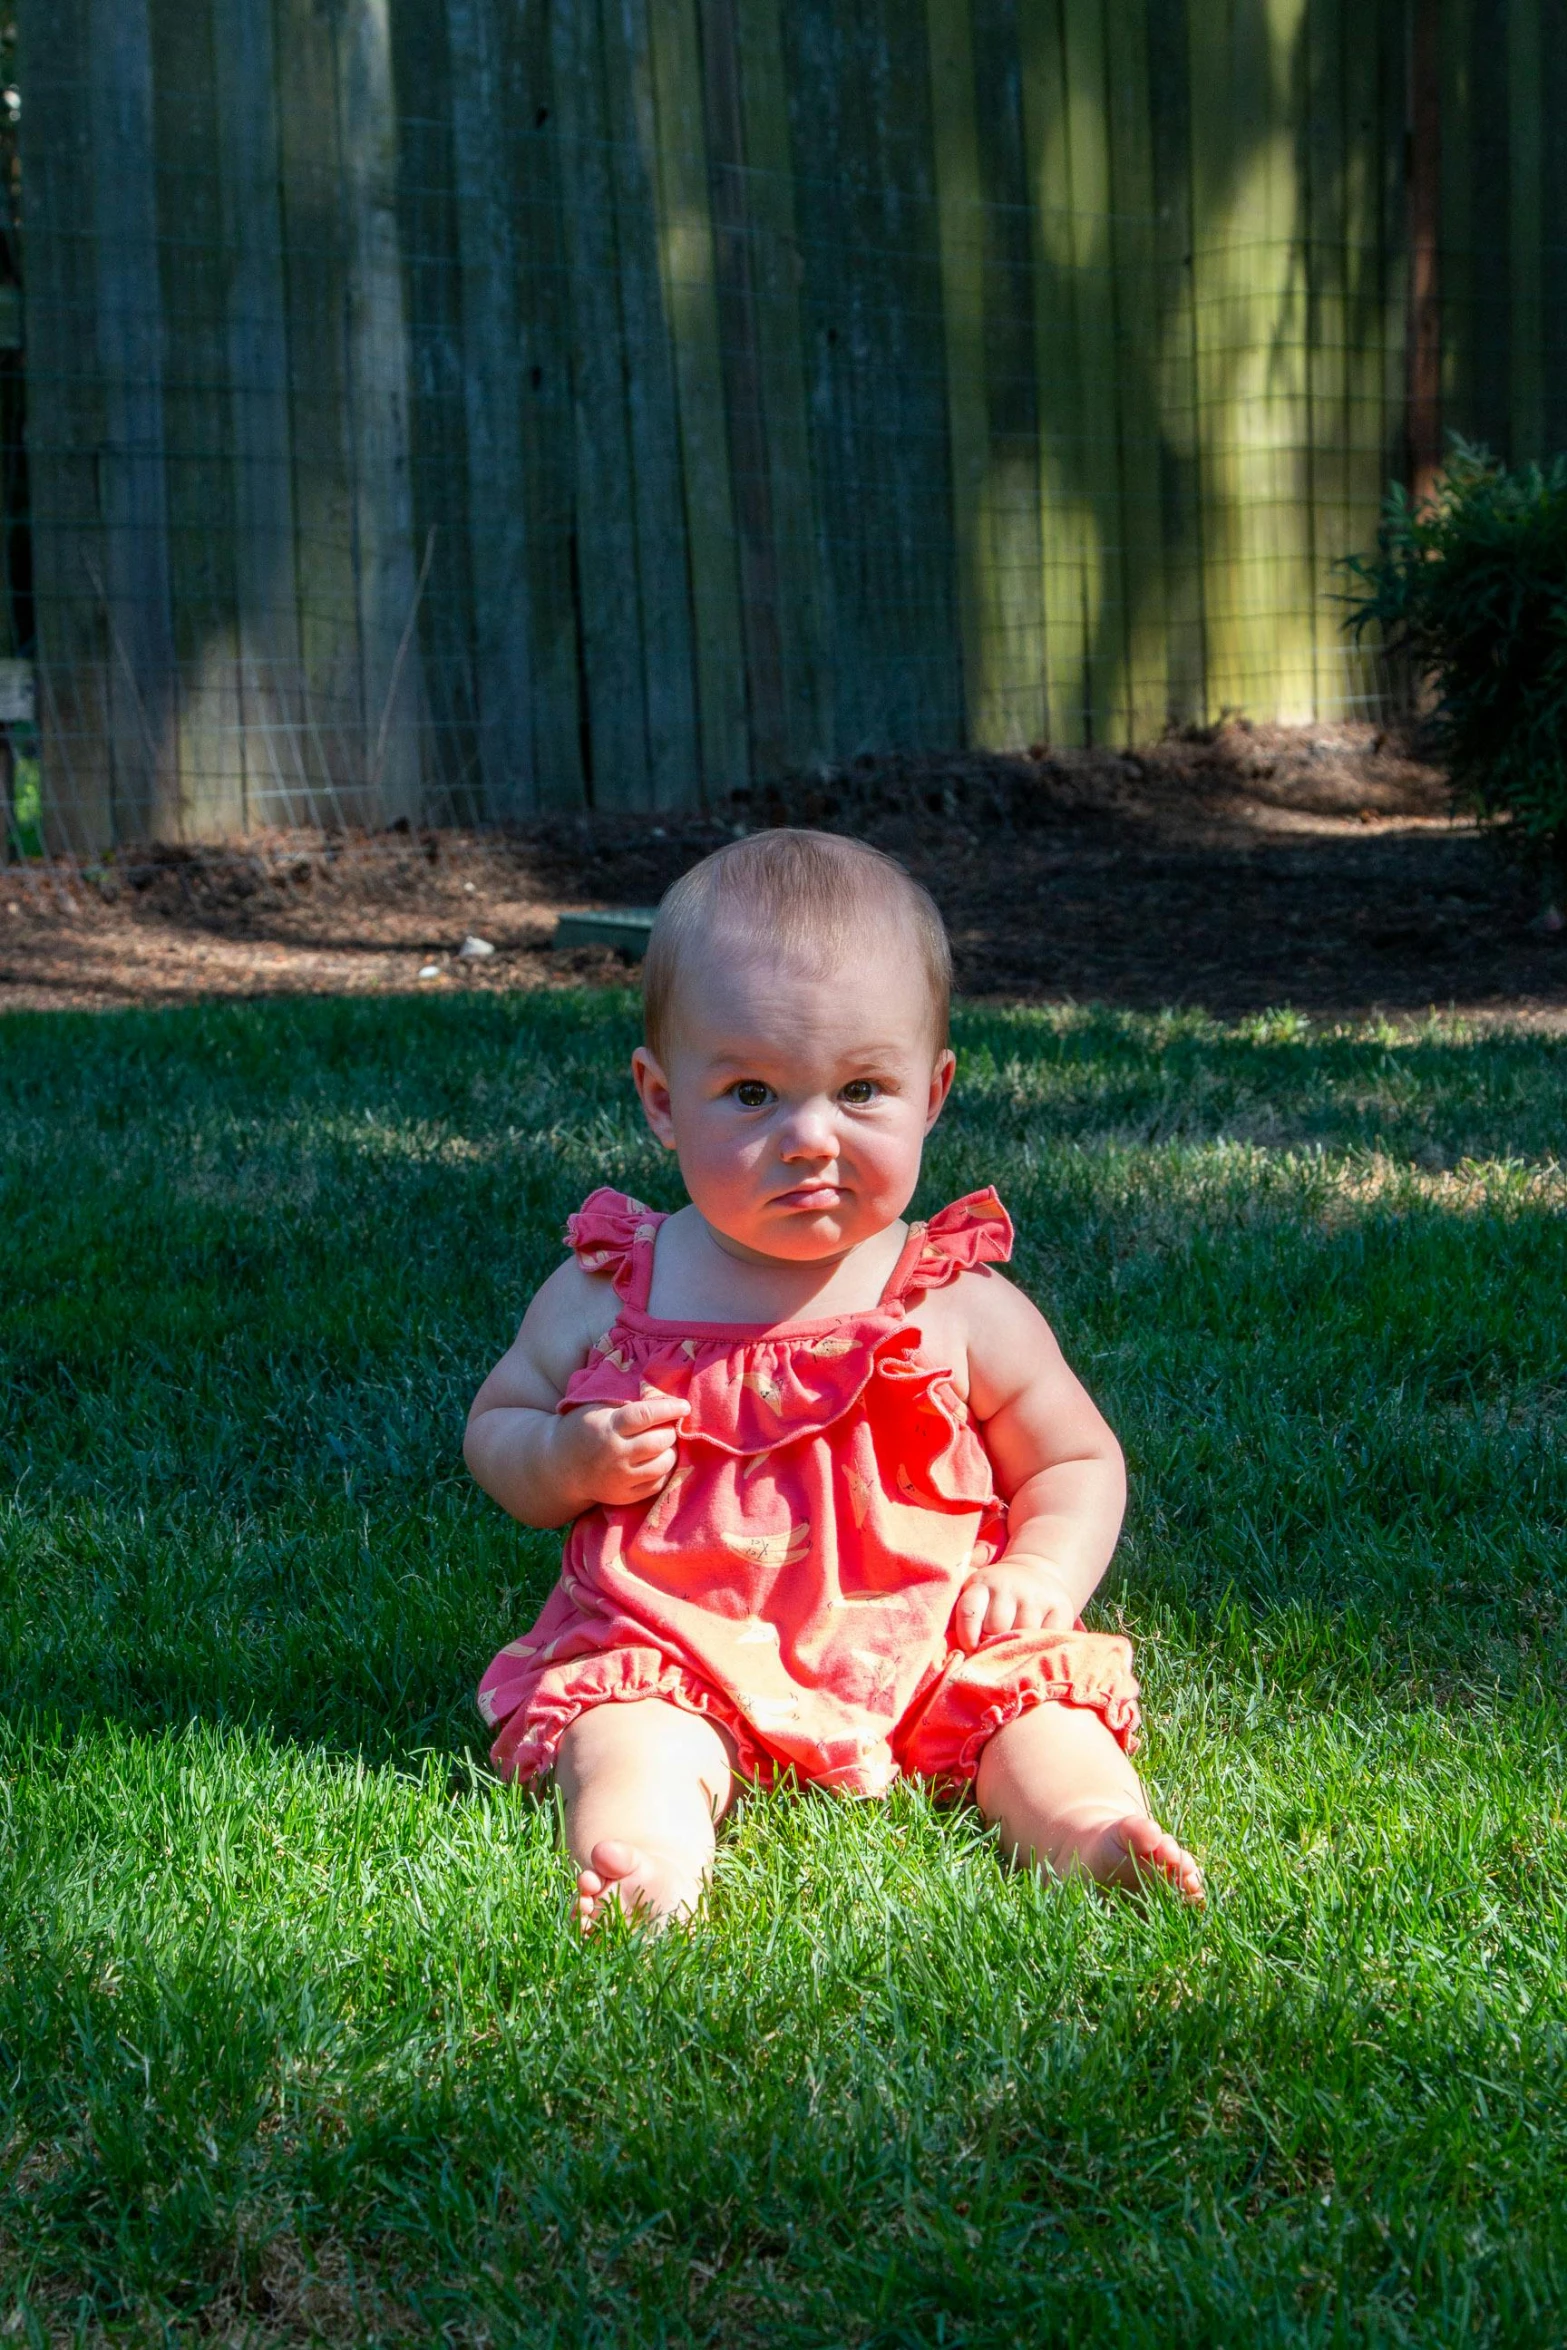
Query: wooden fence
point(454, 408)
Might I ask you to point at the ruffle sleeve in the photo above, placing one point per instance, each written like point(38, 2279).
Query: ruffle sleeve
point(614, 1234)
point(973, 1231)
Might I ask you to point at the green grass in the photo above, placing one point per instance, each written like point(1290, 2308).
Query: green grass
point(292, 2040)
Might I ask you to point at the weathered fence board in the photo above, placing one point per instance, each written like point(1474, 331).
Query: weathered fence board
point(1134, 279)
point(260, 441)
point(66, 431)
point(133, 586)
point(697, 240)
point(441, 409)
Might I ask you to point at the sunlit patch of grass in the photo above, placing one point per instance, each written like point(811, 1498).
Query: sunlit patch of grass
point(293, 2043)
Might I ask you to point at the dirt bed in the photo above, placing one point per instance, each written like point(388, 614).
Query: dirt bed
point(1239, 869)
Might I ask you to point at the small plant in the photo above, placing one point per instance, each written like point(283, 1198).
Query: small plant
point(1470, 586)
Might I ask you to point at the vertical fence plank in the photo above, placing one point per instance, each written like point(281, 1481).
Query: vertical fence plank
point(1011, 514)
point(491, 335)
point(1323, 161)
point(1373, 64)
point(663, 566)
point(394, 702)
point(545, 404)
point(1213, 167)
point(200, 485)
point(923, 690)
point(1135, 292)
point(1098, 390)
point(751, 515)
point(1180, 488)
point(457, 779)
point(992, 424)
point(261, 493)
point(1553, 229)
point(1069, 556)
point(1389, 229)
point(1456, 259)
point(1526, 160)
point(793, 499)
point(134, 587)
point(331, 714)
point(603, 521)
point(65, 427)
point(1491, 306)
point(702, 256)
point(962, 227)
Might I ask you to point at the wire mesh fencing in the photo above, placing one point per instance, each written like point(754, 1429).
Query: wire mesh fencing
point(436, 411)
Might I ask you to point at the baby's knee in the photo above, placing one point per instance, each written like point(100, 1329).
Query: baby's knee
point(644, 1735)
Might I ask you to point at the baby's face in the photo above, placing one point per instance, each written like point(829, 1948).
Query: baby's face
point(798, 1101)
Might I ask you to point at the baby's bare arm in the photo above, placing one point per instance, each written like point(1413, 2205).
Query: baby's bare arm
point(545, 1467)
point(1056, 1464)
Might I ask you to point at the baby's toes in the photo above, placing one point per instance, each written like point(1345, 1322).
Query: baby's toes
point(590, 1897)
point(1155, 1850)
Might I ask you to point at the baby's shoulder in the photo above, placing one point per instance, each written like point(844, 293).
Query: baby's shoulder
point(978, 1320)
point(570, 1311)
point(977, 1300)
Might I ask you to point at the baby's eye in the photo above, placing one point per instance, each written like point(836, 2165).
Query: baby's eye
point(859, 1091)
point(752, 1094)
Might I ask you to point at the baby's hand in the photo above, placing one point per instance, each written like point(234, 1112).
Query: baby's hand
point(1013, 1595)
point(620, 1452)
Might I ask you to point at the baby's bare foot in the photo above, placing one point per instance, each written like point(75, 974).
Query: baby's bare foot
point(649, 1885)
point(1123, 1851)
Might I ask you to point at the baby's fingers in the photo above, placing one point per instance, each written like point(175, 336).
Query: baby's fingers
point(968, 1617)
point(649, 1411)
point(649, 1477)
point(637, 1451)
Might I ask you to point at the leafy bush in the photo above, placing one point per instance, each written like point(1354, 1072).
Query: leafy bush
point(1471, 586)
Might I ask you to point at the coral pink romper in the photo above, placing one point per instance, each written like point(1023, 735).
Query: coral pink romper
point(795, 1579)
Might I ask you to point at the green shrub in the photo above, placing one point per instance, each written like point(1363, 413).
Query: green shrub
point(1471, 587)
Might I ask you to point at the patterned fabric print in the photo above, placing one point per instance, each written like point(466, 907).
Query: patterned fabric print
point(796, 1576)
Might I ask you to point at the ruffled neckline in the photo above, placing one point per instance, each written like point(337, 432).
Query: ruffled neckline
point(615, 1234)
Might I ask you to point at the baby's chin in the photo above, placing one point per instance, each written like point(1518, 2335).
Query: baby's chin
point(799, 1236)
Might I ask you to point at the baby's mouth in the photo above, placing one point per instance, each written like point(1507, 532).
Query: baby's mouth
point(810, 1195)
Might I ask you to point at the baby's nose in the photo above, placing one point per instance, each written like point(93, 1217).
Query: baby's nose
point(810, 1133)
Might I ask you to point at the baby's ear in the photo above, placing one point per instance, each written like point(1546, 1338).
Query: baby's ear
point(653, 1093)
point(940, 1085)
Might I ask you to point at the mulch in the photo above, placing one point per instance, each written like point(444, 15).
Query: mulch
point(1237, 868)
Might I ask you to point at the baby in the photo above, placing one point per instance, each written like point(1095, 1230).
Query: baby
point(836, 1502)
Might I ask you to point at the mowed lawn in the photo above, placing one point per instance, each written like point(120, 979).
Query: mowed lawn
point(293, 2041)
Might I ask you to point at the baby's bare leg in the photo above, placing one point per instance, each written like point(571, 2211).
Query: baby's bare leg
point(1065, 1797)
point(644, 1783)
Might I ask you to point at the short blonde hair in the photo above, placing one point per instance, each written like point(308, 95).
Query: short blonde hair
point(807, 895)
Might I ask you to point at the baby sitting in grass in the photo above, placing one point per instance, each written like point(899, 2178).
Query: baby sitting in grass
point(836, 1502)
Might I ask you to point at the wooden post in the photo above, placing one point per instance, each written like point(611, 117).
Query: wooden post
point(1423, 330)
